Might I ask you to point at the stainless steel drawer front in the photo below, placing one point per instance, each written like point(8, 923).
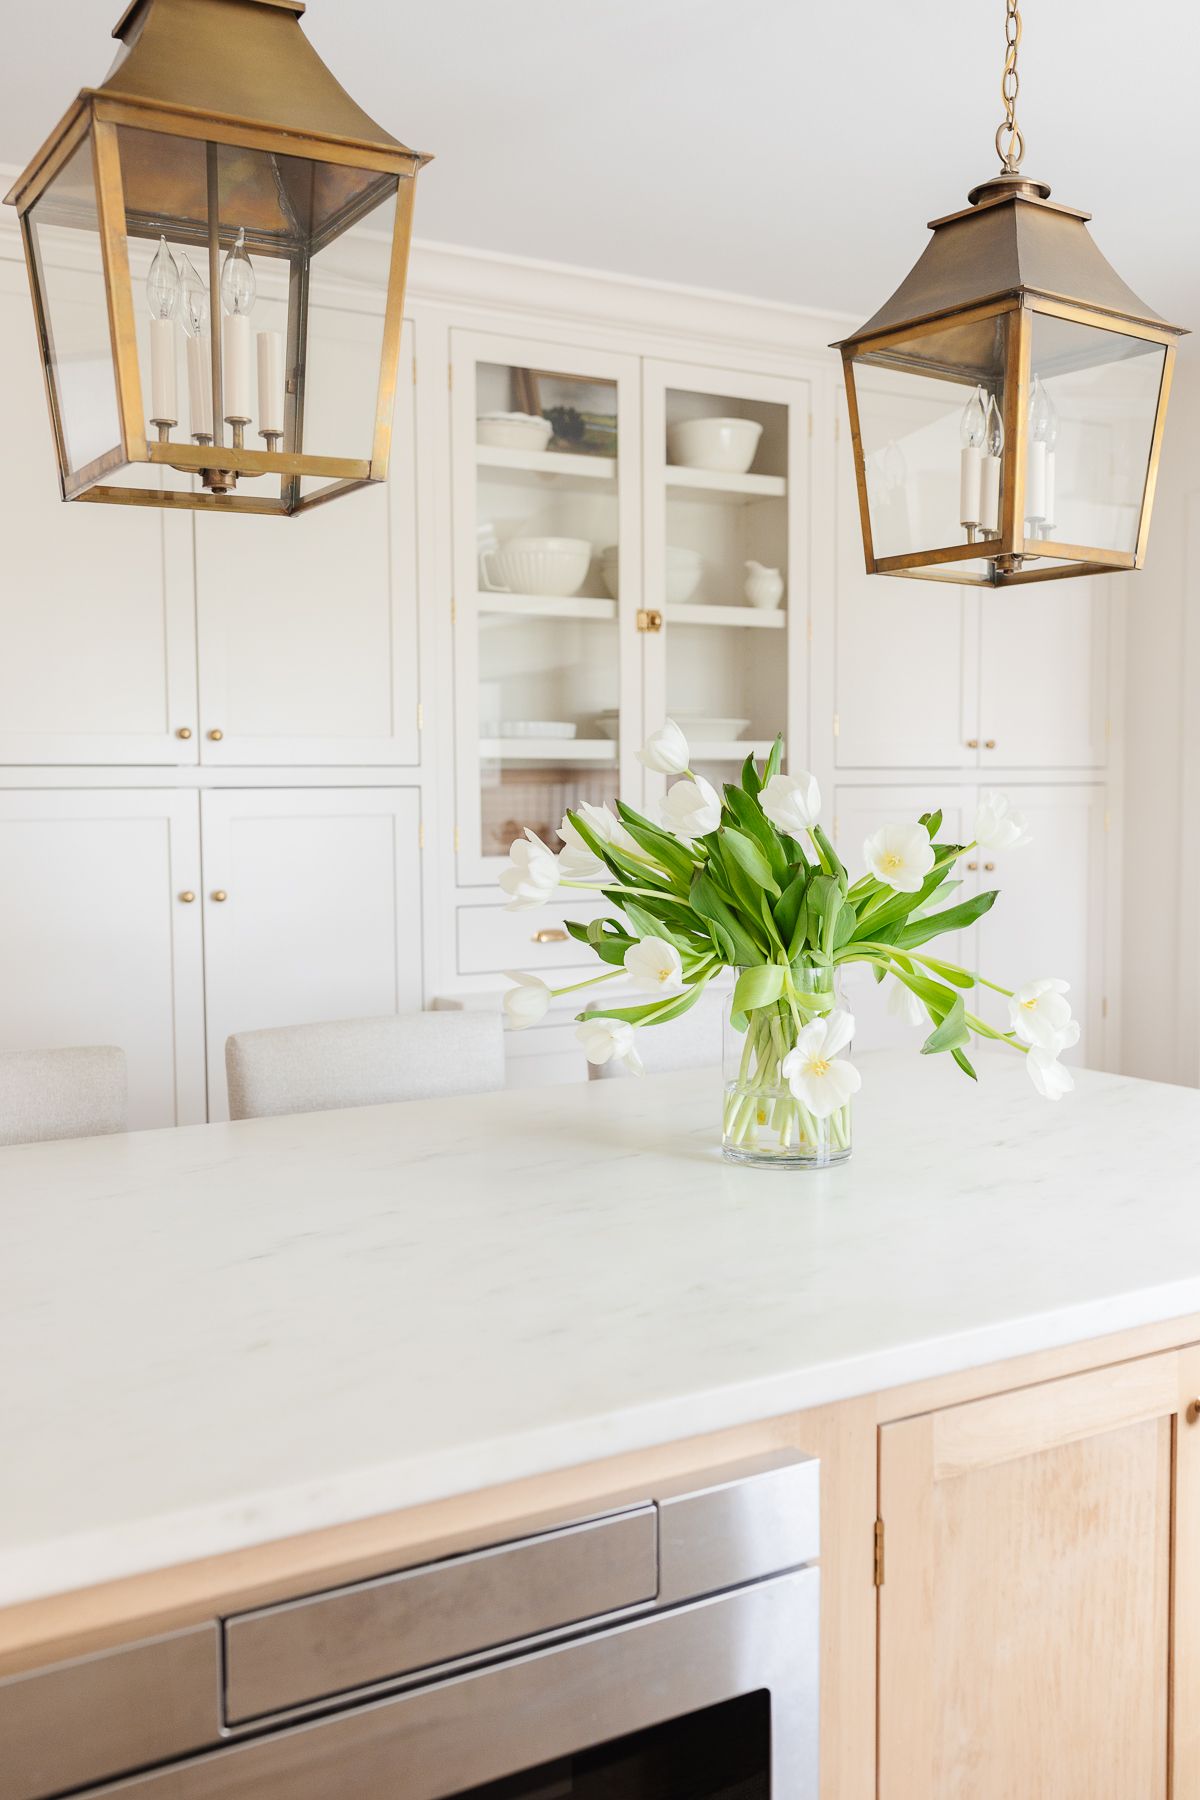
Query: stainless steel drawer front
point(95, 1717)
point(453, 1735)
point(283, 1656)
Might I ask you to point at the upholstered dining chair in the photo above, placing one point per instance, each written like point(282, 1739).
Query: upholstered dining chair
point(690, 1042)
point(362, 1062)
point(62, 1094)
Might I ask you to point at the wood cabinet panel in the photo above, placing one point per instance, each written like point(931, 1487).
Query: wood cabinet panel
point(1025, 1612)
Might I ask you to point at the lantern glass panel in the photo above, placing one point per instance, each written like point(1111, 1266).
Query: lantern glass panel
point(925, 409)
point(64, 230)
point(1091, 430)
point(347, 303)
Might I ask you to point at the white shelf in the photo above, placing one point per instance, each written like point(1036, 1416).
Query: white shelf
point(734, 488)
point(696, 613)
point(548, 750)
point(730, 750)
point(546, 606)
point(553, 465)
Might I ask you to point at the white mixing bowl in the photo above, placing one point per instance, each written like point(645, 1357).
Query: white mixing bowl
point(537, 565)
point(725, 445)
point(684, 569)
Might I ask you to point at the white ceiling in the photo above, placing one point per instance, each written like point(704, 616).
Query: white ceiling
point(791, 149)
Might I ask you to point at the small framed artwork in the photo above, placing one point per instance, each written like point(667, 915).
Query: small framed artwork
point(582, 412)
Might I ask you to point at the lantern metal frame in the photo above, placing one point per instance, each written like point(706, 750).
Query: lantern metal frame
point(191, 69)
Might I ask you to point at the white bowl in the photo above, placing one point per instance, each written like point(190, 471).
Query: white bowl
point(513, 431)
point(684, 570)
point(695, 726)
point(726, 445)
point(530, 728)
point(537, 565)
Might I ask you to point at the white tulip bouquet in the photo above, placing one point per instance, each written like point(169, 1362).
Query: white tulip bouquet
point(750, 882)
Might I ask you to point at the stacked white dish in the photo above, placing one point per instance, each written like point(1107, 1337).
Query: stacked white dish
point(684, 568)
point(726, 446)
point(544, 566)
point(512, 431)
point(530, 728)
point(697, 727)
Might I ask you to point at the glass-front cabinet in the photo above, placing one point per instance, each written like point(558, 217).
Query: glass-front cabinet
point(547, 579)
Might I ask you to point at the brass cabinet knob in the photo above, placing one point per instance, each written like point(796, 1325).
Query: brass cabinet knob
point(187, 896)
point(549, 935)
point(216, 736)
point(972, 866)
point(989, 867)
point(989, 743)
point(972, 743)
point(220, 894)
point(185, 731)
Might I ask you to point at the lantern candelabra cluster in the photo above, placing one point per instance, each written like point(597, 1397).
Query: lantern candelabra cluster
point(178, 294)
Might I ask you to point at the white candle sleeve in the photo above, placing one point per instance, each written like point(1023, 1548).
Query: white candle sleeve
point(163, 391)
point(1051, 515)
point(1035, 481)
point(199, 368)
point(968, 489)
point(989, 494)
point(236, 370)
point(270, 382)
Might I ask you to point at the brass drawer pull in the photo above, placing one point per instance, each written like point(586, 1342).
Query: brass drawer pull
point(220, 894)
point(185, 731)
point(989, 743)
point(972, 866)
point(990, 867)
point(972, 743)
point(187, 896)
point(550, 935)
point(649, 619)
point(216, 736)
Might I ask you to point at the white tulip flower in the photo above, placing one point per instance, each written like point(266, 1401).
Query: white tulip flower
point(691, 809)
point(532, 874)
point(903, 1003)
point(526, 1004)
point(792, 802)
point(666, 751)
point(653, 964)
point(998, 826)
point(606, 1040)
point(820, 1079)
point(575, 859)
point(900, 856)
point(1047, 1074)
point(1041, 1016)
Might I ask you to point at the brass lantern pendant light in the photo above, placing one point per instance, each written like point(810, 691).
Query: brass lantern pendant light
point(1007, 403)
point(218, 240)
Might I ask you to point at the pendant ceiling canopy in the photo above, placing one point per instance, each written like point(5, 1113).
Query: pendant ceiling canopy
point(1007, 403)
point(218, 202)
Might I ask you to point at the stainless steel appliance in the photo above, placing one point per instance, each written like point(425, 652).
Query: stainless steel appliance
point(665, 1650)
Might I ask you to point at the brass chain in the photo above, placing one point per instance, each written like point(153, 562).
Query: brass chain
point(1012, 151)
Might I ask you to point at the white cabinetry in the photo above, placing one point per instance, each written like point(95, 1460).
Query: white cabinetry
point(319, 914)
point(98, 944)
point(97, 640)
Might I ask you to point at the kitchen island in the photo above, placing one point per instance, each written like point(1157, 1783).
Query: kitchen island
point(244, 1361)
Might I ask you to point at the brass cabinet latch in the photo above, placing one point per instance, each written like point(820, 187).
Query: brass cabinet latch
point(649, 620)
point(879, 1553)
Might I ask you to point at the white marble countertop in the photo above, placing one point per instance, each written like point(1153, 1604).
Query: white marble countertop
point(216, 1336)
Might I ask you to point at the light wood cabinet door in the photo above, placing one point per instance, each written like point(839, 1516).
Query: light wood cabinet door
point(308, 627)
point(97, 944)
point(96, 623)
point(321, 915)
point(1039, 1575)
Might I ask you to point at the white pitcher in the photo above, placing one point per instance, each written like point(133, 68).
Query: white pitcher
point(764, 587)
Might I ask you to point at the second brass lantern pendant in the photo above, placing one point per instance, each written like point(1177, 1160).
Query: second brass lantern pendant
point(218, 241)
point(1007, 403)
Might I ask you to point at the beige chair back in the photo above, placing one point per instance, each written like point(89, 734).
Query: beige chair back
point(363, 1062)
point(62, 1094)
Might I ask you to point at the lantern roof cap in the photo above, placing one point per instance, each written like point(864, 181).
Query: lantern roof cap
point(1012, 240)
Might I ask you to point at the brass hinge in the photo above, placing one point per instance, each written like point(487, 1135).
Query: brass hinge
point(453, 609)
point(837, 724)
point(414, 371)
point(450, 376)
point(457, 841)
point(420, 715)
point(649, 620)
point(879, 1553)
point(421, 835)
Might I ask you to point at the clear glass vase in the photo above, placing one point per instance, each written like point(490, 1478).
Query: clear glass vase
point(764, 1123)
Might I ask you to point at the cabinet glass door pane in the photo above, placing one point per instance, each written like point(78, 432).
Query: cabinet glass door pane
point(545, 579)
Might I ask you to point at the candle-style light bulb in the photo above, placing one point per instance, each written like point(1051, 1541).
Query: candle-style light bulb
point(1043, 435)
point(195, 314)
point(239, 290)
point(972, 430)
point(989, 479)
point(162, 291)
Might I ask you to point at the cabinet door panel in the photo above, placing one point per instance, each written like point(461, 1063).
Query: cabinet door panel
point(1025, 1608)
point(96, 946)
point(322, 918)
point(98, 661)
point(858, 811)
point(905, 675)
point(1049, 919)
point(308, 626)
point(1043, 680)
